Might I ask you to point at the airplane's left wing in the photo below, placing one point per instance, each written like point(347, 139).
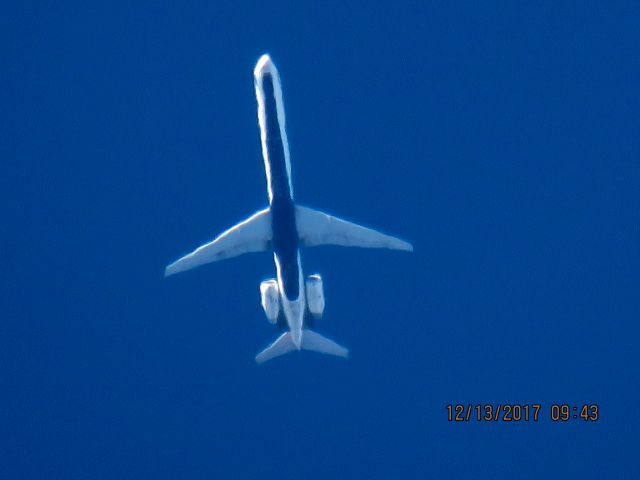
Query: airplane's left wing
point(251, 235)
point(318, 228)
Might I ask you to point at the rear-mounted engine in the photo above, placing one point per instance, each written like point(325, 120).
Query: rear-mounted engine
point(270, 299)
point(315, 295)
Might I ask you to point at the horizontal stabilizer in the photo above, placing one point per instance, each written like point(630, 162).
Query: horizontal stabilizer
point(251, 235)
point(283, 344)
point(318, 228)
point(310, 341)
point(316, 342)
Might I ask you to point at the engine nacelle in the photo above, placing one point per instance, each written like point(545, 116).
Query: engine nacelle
point(270, 299)
point(315, 295)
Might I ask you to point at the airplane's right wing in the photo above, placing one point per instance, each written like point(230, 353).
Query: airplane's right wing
point(252, 235)
point(318, 228)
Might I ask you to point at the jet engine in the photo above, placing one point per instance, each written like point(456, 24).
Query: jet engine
point(315, 295)
point(270, 299)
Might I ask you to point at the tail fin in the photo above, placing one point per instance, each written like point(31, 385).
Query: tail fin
point(310, 341)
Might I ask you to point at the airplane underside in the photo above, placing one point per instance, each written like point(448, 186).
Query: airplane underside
point(290, 300)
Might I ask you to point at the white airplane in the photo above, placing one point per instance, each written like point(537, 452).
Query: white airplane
point(289, 301)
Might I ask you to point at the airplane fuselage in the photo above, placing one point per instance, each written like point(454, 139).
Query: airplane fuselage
point(275, 151)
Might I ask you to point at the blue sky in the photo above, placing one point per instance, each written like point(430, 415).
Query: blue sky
point(500, 139)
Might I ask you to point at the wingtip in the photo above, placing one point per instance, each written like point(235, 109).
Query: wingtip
point(171, 269)
point(402, 245)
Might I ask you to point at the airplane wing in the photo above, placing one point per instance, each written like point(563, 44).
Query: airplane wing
point(318, 228)
point(251, 235)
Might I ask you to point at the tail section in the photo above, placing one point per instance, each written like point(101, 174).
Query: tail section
point(316, 342)
point(283, 344)
point(310, 341)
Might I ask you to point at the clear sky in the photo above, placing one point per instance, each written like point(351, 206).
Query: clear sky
point(501, 139)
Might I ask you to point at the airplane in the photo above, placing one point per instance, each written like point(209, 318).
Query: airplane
point(289, 300)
